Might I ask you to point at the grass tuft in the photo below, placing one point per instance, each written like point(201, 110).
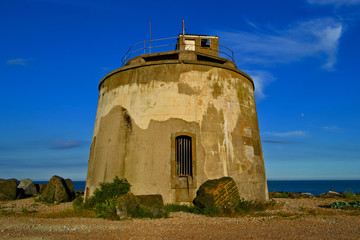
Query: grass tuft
point(103, 202)
point(24, 210)
point(280, 195)
point(350, 195)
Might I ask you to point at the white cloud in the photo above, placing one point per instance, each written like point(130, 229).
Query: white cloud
point(334, 2)
point(286, 134)
point(276, 141)
point(314, 38)
point(17, 61)
point(261, 80)
point(331, 128)
point(66, 144)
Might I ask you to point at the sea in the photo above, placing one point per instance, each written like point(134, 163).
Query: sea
point(315, 187)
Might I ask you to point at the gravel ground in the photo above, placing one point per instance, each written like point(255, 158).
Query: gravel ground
point(293, 219)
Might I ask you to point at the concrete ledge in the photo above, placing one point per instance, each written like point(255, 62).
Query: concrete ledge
point(138, 64)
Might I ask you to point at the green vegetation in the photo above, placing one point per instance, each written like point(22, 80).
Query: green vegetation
point(66, 213)
point(346, 205)
point(253, 206)
point(280, 195)
point(350, 195)
point(109, 191)
point(24, 210)
point(171, 207)
point(103, 203)
point(209, 211)
point(78, 203)
point(39, 199)
point(107, 209)
point(142, 212)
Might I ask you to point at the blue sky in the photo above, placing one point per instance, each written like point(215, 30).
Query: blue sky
point(303, 56)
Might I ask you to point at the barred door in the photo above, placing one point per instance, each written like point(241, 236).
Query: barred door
point(183, 156)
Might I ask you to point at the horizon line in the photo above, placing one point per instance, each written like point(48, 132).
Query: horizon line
point(272, 179)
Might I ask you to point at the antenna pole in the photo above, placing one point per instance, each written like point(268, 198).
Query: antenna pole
point(183, 30)
point(150, 36)
point(183, 27)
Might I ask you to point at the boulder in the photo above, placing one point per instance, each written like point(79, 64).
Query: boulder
point(70, 186)
point(40, 187)
point(152, 203)
point(331, 194)
point(129, 205)
point(219, 193)
point(310, 195)
point(28, 186)
point(20, 193)
point(14, 180)
point(7, 190)
point(56, 191)
point(79, 193)
point(126, 204)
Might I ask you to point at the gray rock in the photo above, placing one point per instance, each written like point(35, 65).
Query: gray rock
point(331, 194)
point(307, 194)
point(28, 186)
point(334, 193)
point(7, 190)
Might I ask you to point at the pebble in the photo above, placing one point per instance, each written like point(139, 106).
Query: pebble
point(189, 226)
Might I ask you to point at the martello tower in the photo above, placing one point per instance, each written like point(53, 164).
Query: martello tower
point(169, 121)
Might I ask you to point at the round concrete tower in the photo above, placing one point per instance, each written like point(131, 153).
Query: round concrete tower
point(169, 121)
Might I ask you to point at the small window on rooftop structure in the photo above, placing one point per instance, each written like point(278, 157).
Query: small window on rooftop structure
point(205, 42)
point(183, 155)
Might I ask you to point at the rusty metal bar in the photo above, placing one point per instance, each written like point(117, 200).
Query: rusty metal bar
point(183, 155)
point(189, 158)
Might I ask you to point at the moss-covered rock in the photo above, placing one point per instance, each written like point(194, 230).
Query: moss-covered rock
point(331, 194)
point(152, 203)
point(41, 187)
point(126, 204)
point(70, 186)
point(139, 206)
point(7, 190)
point(14, 180)
point(56, 191)
point(219, 194)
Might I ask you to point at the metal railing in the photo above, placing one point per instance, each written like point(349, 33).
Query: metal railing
point(157, 45)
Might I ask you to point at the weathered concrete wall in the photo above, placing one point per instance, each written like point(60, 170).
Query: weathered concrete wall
point(142, 106)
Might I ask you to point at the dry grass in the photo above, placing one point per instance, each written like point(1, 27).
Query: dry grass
point(316, 211)
point(66, 213)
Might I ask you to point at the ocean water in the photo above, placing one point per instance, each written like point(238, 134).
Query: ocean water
point(78, 185)
point(315, 187)
point(307, 186)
